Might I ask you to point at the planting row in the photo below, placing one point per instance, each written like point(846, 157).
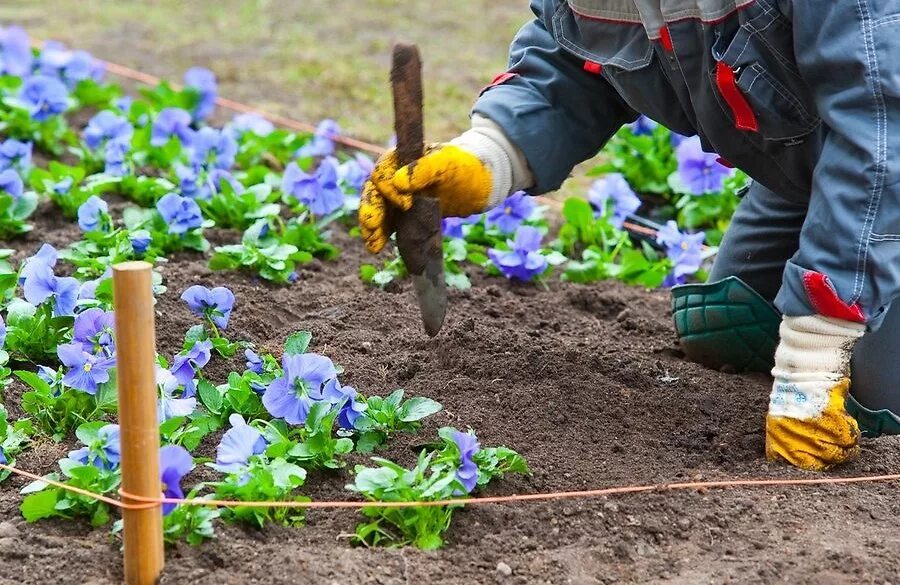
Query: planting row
point(144, 176)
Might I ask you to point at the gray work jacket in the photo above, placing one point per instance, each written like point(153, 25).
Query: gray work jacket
point(803, 95)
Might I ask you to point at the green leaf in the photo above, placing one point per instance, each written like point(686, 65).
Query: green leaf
point(34, 381)
point(211, 396)
point(417, 408)
point(297, 343)
point(40, 505)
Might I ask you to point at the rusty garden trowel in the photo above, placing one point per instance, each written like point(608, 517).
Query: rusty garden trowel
point(419, 236)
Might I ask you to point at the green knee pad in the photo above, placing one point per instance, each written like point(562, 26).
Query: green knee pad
point(726, 324)
point(873, 423)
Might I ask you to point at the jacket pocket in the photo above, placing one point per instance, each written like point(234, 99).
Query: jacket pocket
point(621, 52)
point(763, 69)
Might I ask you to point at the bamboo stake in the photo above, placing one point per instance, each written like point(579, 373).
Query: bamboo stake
point(136, 368)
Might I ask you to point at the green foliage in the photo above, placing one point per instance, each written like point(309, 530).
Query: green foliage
point(604, 251)
point(14, 213)
point(235, 396)
point(432, 479)
point(313, 445)
point(228, 209)
point(192, 524)
point(392, 269)
point(386, 416)
point(162, 240)
point(51, 135)
point(33, 333)
point(263, 254)
point(646, 161)
point(43, 501)
point(263, 480)
point(56, 409)
point(63, 185)
point(13, 438)
point(100, 250)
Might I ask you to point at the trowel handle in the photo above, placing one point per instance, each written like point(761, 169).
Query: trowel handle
point(406, 84)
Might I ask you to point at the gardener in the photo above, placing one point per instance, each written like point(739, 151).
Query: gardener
point(802, 95)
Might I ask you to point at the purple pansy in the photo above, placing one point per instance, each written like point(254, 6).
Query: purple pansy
point(214, 304)
point(522, 261)
point(181, 214)
point(643, 126)
point(467, 473)
point(204, 82)
point(190, 184)
point(322, 141)
point(254, 362)
point(140, 241)
point(355, 171)
point(106, 453)
point(92, 214)
point(452, 227)
point(345, 399)
point(88, 289)
point(699, 171)
point(41, 284)
point(2, 333)
point(614, 186)
point(250, 122)
point(169, 406)
point(94, 330)
point(11, 183)
point(319, 191)
point(63, 186)
point(16, 58)
point(70, 66)
point(291, 395)
point(45, 256)
point(123, 104)
point(115, 159)
point(238, 445)
point(171, 122)
point(211, 148)
point(186, 364)
point(107, 126)
point(174, 463)
point(15, 154)
point(86, 370)
point(510, 214)
point(685, 250)
point(43, 97)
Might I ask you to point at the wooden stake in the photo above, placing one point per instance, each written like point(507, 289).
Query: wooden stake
point(136, 368)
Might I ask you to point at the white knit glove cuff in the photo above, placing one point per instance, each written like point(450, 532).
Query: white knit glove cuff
point(506, 162)
point(812, 356)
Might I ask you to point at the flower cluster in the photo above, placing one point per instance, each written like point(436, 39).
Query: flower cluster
point(307, 379)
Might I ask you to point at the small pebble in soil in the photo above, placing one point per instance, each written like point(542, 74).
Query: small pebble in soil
point(503, 569)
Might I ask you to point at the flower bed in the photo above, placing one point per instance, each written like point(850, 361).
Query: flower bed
point(582, 381)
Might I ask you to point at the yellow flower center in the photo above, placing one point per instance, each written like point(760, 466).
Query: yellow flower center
point(684, 245)
point(87, 367)
point(507, 210)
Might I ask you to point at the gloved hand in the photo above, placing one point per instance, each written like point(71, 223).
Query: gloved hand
point(456, 177)
point(807, 424)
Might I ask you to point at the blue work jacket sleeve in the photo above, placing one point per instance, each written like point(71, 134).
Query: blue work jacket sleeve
point(553, 109)
point(849, 54)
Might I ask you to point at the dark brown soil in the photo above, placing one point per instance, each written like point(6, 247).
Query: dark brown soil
point(585, 381)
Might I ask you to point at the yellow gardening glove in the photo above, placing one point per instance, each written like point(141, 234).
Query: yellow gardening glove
point(807, 424)
point(456, 177)
point(817, 443)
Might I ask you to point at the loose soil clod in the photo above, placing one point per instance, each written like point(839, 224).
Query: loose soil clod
point(585, 382)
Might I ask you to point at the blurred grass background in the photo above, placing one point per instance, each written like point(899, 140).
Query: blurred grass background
point(308, 59)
